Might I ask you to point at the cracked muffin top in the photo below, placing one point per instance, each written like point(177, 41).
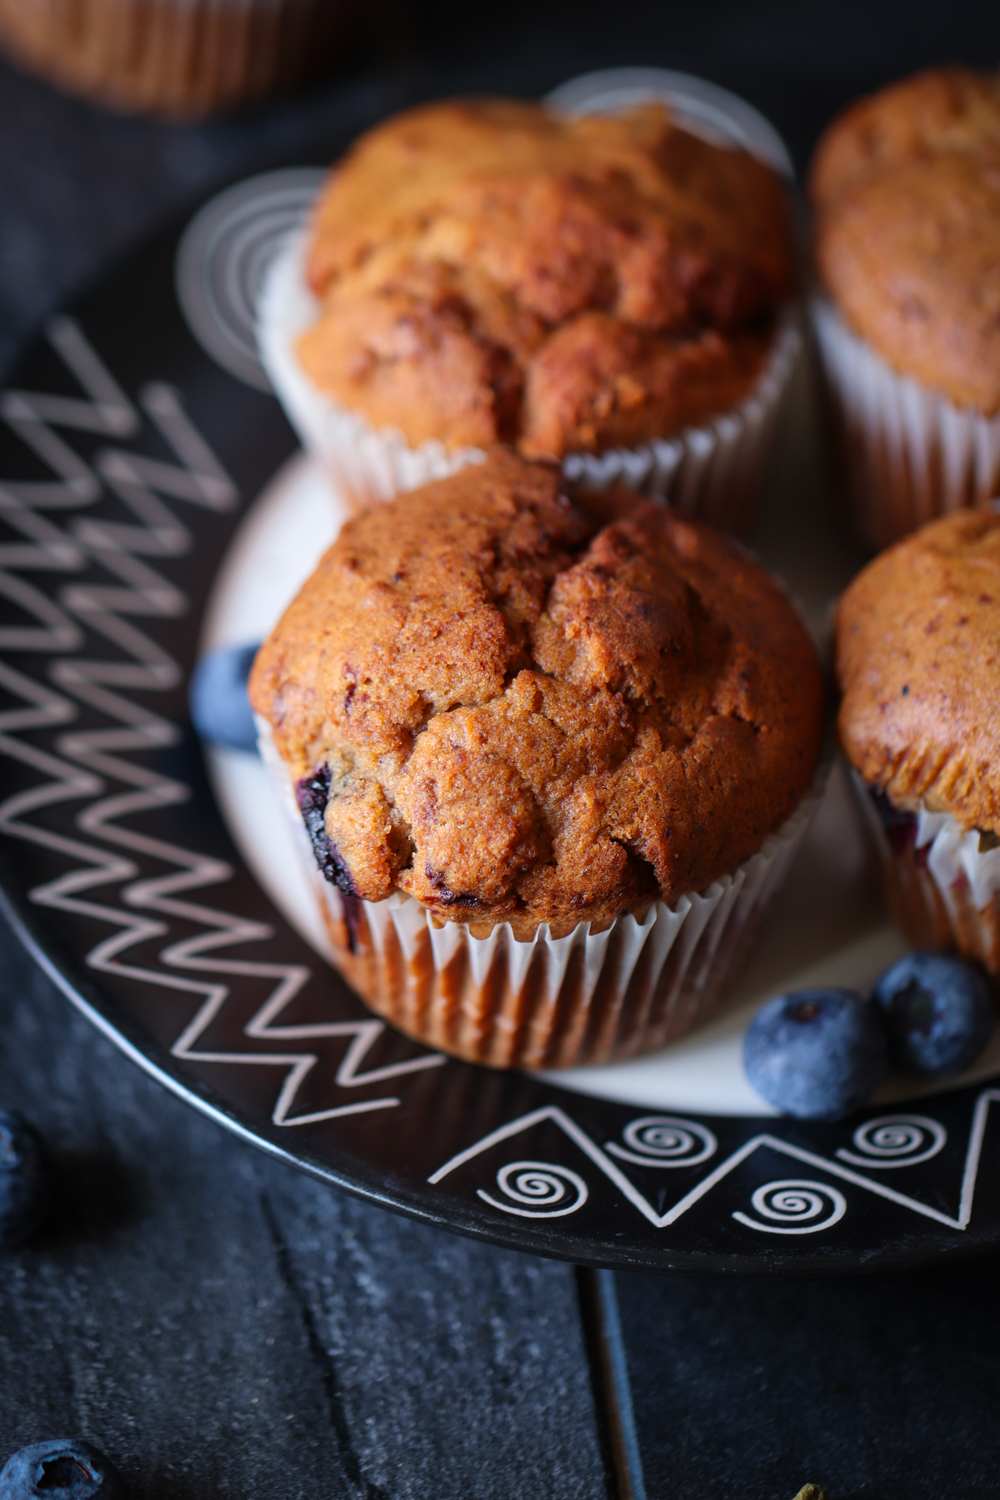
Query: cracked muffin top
point(906, 187)
point(511, 706)
point(918, 661)
point(491, 271)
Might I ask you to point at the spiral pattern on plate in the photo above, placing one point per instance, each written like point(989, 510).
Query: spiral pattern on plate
point(795, 1205)
point(224, 255)
point(664, 1141)
point(538, 1190)
point(895, 1141)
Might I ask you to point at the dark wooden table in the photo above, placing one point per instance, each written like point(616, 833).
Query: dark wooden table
point(223, 1326)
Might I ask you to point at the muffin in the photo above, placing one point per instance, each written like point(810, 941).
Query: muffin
point(552, 756)
point(906, 192)
point(918, 661)
point(175, 57)
point(602, 291)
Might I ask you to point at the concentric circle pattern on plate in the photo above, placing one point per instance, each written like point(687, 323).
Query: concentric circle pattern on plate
point(223, 256)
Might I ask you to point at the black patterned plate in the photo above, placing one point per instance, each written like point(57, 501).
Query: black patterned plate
point(135, 439)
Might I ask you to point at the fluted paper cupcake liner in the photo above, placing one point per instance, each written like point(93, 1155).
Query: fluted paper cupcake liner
point(908, 453)
point(942, 888)
point(366, 464)
point(715, 472)
point(549, 1002)
point(183, 57)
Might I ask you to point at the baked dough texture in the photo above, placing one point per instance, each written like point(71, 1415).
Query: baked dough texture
point(906, 187)
point(518, 708)
point(945, 109)
point(918, 661)
point(491, 271)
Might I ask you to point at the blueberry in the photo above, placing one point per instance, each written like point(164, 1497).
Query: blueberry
point(62, 1467)
point(817, 1054)
point(217, 697)
point(938, 1012)
point(24, 1180)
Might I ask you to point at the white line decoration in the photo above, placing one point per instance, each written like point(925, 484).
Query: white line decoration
point(87, 760)
point(542, 1186)
point(224, 254)
point(796, 1204)
point(895, 1141)
point(664, 1141)
point(627, 1188)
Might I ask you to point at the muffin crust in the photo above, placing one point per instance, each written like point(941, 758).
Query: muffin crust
point(907, 193)
point(955, 110)
point(465, 251)
point(918, 661)
point(521, 709)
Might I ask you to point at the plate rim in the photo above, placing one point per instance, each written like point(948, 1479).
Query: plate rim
point(38, 931)
point(115, 1027)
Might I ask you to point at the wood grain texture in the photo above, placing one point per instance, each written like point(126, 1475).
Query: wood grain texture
point(224, 1326)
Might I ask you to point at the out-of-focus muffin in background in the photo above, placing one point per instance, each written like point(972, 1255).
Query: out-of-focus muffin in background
point(906, 191)
point(176, 57)
point(607, 291)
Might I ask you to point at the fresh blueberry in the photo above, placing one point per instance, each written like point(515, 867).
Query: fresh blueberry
point(217, 696)
point(817, 1054)
point(938, 1011)
point(65, 1467)
point(24, 1180)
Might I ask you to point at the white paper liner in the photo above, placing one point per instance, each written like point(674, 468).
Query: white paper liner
point(954, 856)
point(947, 895)
point(715, 472)
point(690, 934)
point(367, 463)
point(911, 454)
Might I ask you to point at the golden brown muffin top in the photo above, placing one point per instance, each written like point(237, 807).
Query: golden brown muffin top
point(455, 243)
point(944, 109)
point(907, 193)
point(918, 661)
point(532, 711)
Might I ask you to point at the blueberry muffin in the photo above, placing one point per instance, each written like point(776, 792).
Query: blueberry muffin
point(541, 745)
point(918, 661)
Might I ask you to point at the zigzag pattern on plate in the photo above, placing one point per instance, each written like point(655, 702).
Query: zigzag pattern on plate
point(88, 760)
point(112, 584)
point(536, 1189)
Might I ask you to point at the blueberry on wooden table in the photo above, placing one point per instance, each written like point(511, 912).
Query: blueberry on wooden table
point(24, 1180)
point(938, 1012)
point(61, 1469)
point(817, 1054)
point(217, 697)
